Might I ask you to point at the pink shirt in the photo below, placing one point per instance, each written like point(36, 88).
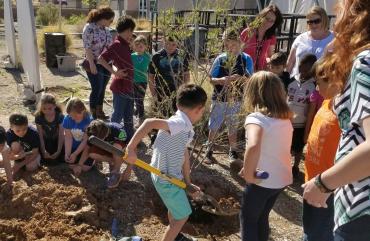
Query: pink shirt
point(316, 98)
point(251, 48)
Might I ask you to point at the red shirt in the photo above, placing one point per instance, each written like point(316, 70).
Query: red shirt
point(250, 48)
point(119, 54)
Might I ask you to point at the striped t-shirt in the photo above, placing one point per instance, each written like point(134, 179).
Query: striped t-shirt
point(352, 107)
point(169, 146)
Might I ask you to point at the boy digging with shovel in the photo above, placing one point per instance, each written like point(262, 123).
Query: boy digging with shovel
point(171, 156)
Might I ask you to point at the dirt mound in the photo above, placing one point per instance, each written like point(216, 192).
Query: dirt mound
point(53, 204)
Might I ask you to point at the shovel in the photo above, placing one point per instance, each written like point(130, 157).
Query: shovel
point(210, 204)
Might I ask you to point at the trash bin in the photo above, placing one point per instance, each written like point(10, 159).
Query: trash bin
point(55, 43)
point(66, 62)
point(190, 41)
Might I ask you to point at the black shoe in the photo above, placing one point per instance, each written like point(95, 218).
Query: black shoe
point(183, 237)
point(295, 172)
point(209, 158)
point(233, 156)
point(209, 154)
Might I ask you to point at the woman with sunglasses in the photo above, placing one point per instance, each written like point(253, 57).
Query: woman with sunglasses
point(259, 43)
point(348, 67)
point(96, 37)
point(314, 41)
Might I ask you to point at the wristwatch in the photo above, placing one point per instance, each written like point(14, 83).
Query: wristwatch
point(321, 186)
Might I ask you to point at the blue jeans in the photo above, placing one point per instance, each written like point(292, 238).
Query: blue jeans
point(318, 223)
point(98, 84)
point(256, 206)
point(123, 108)
point(356, 230)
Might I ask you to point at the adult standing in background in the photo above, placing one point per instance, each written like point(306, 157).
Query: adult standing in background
point(259, 43)
point(96, 37)
point(349, 68)
point(314, 41)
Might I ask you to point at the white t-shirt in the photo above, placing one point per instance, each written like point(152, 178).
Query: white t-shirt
point(298, 100)
point(275, 149)
point(304, 44)
point(169, 146)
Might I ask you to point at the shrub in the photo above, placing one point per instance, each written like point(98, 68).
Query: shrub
point(52, 29)
point(47, 15)
point(76, 19)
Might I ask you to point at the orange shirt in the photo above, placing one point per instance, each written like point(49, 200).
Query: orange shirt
point(322, 141)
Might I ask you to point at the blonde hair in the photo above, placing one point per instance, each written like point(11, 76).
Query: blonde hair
point(141, 39)
point(316, 10)
point(265, 93)
point(336, 66)
point(76, 105)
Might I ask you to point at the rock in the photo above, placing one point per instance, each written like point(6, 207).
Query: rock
point(10, 238)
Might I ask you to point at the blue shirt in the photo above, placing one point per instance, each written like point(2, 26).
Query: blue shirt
point(77, 129)
point(243, 66)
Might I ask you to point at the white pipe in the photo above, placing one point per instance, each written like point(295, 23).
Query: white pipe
point(28, 43)
point(9, 33)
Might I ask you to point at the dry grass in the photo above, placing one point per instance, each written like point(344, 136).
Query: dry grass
point(143, 24)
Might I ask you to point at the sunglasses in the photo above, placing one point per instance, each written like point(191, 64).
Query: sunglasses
point(314, 21)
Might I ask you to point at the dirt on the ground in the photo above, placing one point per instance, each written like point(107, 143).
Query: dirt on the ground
point(53, 204)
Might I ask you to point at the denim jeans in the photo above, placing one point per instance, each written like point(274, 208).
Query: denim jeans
point(356, 230)
point(123, 108)
point(98, 84)
point(318, 223)
point(256, 206)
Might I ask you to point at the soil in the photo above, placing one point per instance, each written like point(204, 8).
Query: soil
point(52, 204)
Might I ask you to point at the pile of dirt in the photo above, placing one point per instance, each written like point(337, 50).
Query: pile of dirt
point(54, 204)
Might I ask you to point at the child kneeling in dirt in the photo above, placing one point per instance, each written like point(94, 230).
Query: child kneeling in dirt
point(75, 139)
point(24, 144)
point(4, 161)
point(171, 156)
point(116, 135)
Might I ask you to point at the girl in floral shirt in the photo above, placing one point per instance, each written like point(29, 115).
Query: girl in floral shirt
point(96, 37)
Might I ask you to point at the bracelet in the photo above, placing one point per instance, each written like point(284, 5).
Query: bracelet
point(322, 187)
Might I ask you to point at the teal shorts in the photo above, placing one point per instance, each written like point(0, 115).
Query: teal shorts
point(174, 199)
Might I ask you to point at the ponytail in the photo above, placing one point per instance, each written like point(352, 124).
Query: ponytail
point(101, 13)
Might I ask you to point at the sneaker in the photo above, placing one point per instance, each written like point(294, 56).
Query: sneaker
point(114, 180)
point(233, 156)
point(185, 237)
